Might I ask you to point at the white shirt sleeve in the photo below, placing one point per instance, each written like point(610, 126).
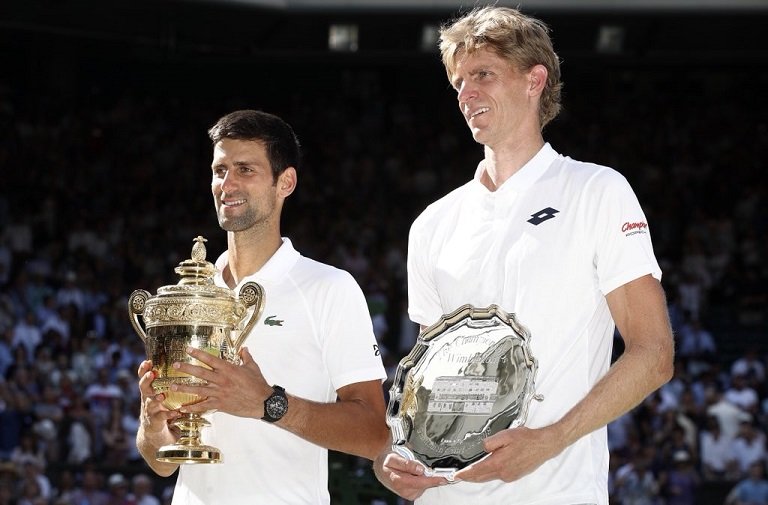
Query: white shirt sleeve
point(624, 251)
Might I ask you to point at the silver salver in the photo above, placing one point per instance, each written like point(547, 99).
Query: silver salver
point(469, 376)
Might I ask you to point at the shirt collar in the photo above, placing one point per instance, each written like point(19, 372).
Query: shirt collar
point(276, 268)
point(528, 173)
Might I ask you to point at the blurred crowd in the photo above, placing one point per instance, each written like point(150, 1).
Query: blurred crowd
point(103, 191)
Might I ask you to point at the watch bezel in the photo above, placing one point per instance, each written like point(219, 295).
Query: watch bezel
point(276, 405)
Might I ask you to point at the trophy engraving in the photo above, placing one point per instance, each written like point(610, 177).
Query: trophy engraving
point(193, 313)
point(470, 375)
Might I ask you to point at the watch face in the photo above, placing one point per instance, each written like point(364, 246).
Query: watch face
point(275, 406)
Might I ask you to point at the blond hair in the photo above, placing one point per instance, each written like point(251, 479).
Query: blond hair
point(521, 39)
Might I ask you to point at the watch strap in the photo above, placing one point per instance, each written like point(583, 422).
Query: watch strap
point(276, 405)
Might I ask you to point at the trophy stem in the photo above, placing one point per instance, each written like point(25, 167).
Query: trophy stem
point(189, 448)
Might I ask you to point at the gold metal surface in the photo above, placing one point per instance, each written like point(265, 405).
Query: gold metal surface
point(193, 313)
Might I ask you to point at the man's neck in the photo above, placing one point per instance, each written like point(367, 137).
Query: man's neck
point(247, 253)
point(501, 164)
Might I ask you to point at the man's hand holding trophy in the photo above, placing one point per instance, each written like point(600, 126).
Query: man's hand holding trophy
point(185, 326)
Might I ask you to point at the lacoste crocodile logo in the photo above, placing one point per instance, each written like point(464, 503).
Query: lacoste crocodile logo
point(270, 321)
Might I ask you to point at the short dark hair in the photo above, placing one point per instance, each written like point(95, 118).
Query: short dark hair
point(279, 139)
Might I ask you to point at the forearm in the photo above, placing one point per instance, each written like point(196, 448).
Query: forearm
point(148, 446)
point(640, 312)
point(354, 424)
point(350, 426)
point(640, 371)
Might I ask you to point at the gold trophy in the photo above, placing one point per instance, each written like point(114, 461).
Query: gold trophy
point(193, 313)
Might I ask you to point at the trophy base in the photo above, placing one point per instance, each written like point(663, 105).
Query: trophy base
point(181, 454)
point(189, 449)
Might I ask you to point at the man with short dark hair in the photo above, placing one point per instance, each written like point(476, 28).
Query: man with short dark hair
point(311, 374)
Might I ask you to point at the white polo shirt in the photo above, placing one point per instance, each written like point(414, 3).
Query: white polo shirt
point(548, 245)
point(314, 337)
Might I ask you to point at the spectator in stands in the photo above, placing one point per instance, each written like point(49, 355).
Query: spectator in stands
point(679, 483)
point(119, 490)
point(29, 493)
point(696, 342)
point(6, 350)
point(48, 310)
point(620, 431)
point(710, 379)
point(116, 439)
point(636, 484)
point(691, 293)
point(752, 490)
point(9, 473)
point(728, 415)
point(43, 363)
point(90, 490)
point(749, 446)
point(38, 288)
point(60, 322)
point(33, 472)
point(70, 293)
point(673, 440)
point(130, 421)
point(718, 462)
point(78, 432)
point(750, 366)
point(100, 396)
point(141, 486)
point(28, 450)
point(27, 334)
point(64, 489)
point(742, 395)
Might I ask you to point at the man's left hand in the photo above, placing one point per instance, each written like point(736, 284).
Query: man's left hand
point(513, 453)
point(239, 390)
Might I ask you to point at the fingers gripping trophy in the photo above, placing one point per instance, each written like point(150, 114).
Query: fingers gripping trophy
point(193, 313)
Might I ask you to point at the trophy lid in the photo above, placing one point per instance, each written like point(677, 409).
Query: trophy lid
point(196, 270)
point(197, 276)
point(195, 299)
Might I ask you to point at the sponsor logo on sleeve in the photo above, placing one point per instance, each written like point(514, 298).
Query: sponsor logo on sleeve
point(629, 229)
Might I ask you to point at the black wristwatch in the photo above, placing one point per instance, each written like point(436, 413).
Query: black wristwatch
point(276, 405)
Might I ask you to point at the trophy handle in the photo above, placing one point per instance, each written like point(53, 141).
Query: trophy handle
point(136, 304)
point(250, 294)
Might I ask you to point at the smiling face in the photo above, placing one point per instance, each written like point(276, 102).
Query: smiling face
point(498, 102)
point(245, 192)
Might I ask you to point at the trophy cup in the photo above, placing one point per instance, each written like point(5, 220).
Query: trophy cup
point(193, 313)
point(469, 376)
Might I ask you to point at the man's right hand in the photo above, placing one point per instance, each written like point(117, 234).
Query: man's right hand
point(154, 429)
point(404, 477)
point(154, 416)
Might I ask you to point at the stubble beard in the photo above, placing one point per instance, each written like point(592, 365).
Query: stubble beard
point(238, 223)
point(250, 218)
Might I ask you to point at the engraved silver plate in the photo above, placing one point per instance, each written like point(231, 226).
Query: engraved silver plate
point(469, 376)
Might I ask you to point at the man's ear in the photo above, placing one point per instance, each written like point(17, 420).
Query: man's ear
point(286, 182)
point(537, 79)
